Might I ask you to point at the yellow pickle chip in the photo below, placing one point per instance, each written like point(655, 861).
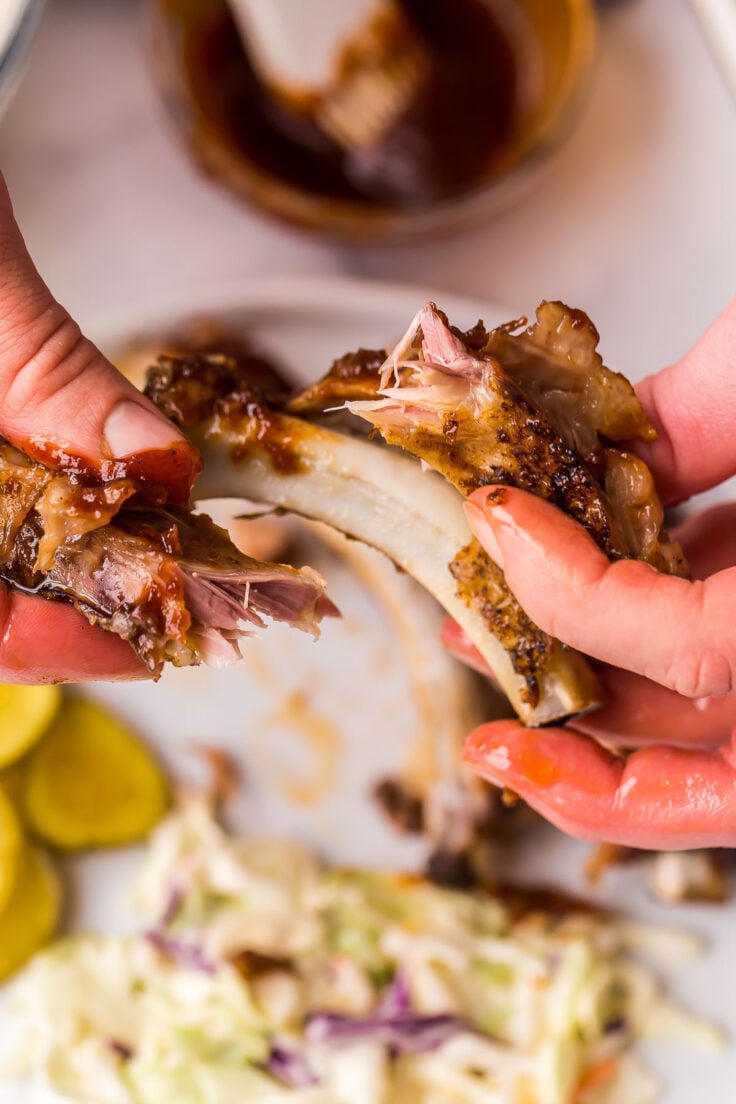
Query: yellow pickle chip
point(91, 782)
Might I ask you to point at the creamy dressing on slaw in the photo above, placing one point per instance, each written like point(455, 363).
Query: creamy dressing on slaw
point(261, 975)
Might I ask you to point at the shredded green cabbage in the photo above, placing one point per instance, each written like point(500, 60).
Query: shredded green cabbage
point(434, 996)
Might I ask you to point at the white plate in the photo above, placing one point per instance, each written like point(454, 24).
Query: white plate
point(355, 684)
point(18, 22)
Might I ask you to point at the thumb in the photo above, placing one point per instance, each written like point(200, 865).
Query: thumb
point(61, 401)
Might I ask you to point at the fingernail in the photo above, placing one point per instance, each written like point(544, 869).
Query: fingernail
point(132, 428)
point(482, 528)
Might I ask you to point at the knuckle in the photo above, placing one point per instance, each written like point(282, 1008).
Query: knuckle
point(707, 675)
point(47, 357)
point(704, 666)
point(701, 672)
point(702, 659)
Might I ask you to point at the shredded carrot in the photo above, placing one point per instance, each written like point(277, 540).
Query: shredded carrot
point(596, 1075)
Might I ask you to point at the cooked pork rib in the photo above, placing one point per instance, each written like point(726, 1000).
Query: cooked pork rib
point(255, 451)
point(170, 582)
point(534, 409)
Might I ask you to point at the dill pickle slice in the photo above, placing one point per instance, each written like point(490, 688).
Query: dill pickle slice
point(11, 785)
point(11, 846)
point(91, 782)
point(25, 713)
point(31, 913)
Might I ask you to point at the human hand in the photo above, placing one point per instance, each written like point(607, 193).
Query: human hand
point(669, 643)
point(56, 389)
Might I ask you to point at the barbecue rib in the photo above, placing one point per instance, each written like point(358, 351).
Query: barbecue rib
point(535, 409)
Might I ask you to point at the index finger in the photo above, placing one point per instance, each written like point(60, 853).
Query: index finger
point(627, 614)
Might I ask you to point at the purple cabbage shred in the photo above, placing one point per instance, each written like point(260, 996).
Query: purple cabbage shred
point(187, 954)
point(403, 1034)
point(121, 1049)
point(290, 1067)
point(396, 1001)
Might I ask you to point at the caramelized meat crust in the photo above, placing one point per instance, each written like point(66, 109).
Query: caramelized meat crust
point(256, 450)
point(481, 584)
point(535, 409)
point(352, 376)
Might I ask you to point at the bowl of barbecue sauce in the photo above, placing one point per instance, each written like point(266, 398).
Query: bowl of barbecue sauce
point(502, 89)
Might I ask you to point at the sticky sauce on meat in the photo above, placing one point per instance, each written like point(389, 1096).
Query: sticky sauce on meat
point(161, 475)
point(353, 376)
point(190, 390)
point(170, 582)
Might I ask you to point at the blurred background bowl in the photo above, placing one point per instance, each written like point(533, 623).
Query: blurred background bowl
point(554, 46)
point(18, 22)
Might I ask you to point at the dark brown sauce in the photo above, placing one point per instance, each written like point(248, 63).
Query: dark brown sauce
point(261, 429)
point(161, 475)
point(234, 395)
point(459, 128)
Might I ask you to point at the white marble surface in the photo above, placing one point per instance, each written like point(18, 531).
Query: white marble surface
point(635, 221)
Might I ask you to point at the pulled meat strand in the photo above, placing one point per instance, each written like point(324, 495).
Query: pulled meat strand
point(168, 581)
point(536, 410)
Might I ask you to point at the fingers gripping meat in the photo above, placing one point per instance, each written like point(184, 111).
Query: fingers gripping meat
point(534, 410)
point(637, 712)
point(658, 797)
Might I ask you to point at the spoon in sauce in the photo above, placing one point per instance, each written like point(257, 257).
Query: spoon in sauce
point(373, 118)
point(351, 66)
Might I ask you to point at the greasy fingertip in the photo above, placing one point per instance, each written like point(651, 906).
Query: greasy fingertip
point(133, 427)
point(61, 400)
point(509, 754)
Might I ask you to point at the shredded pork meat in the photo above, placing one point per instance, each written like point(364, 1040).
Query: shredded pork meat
point(534, 409)
point(168, 581)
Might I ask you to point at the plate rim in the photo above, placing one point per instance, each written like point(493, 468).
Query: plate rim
point(273, 293)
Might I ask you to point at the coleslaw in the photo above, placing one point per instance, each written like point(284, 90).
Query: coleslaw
point(260, 975)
